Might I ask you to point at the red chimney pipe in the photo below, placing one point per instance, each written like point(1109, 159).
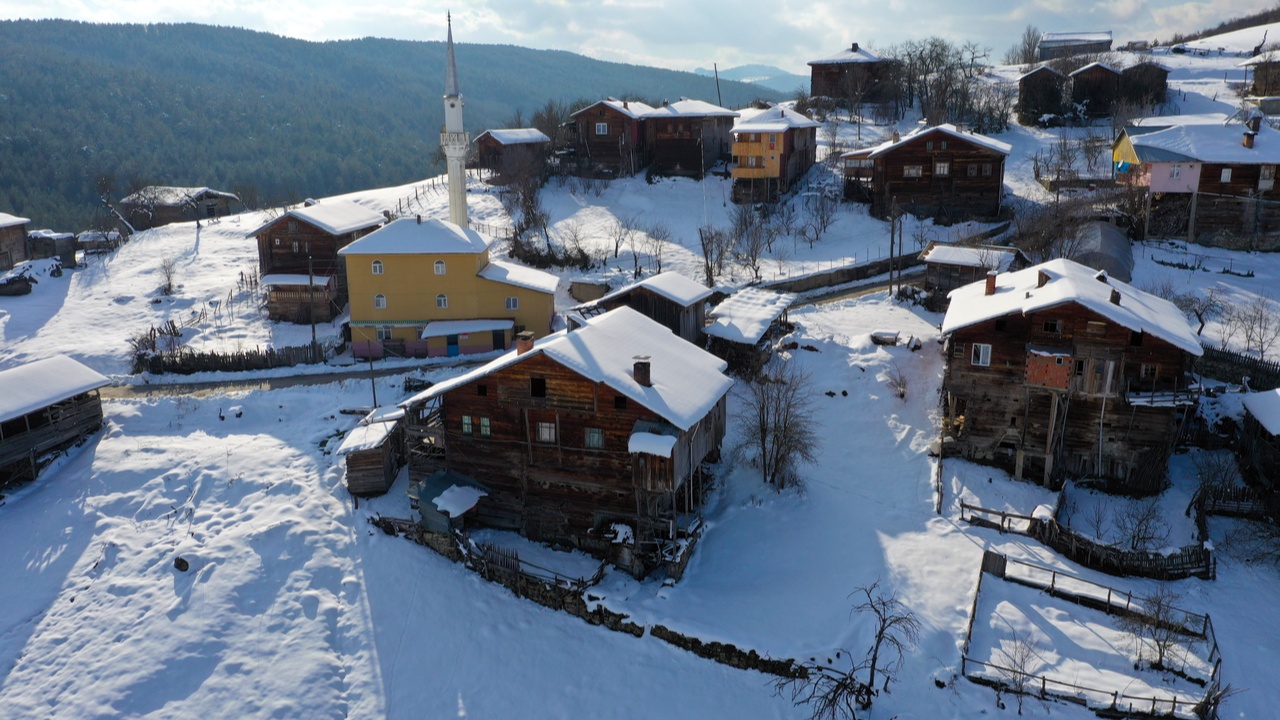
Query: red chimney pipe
point(991, 282)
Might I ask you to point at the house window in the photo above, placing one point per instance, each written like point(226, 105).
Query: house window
point(981, 354)
point(546, 432)
point(942, 169)
point(928, 145)
point(277, 242)
point(466, 424)
point(1175, 172)
point(972, 170)
point(1002, 325)
point(1149, 371)
point(485, 430)
point(377, 267)
point(986, 170)
point(439, 265)
point(1226, 175)
point(1096, 328)
point(773, 137)
point(442, 302)
point(380, 302)
point(537, 387)
point(1053, 326)
point(913, 171)
point(1135, 338)
point(513, 303)
point(482, 390)
point(1079, 368)
point(595, 439)
point(943, 144)
point(602, 128)
point(1268, 172)
point(293, 226)
point(957, 352)
point(383, 333)
point(295, 246)
point(619, 402)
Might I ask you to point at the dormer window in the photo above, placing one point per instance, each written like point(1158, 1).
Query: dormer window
point(439, 265)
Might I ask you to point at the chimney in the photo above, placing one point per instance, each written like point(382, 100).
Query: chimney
point(895, 137)
point(1254, 123)
point(524, 342)
point(854, 48)
point(991, 282)
point(1248, 139)
point(624, 104)
point(1115, 296)
point(1042, 279)
point(640, 371)
point(419, 219)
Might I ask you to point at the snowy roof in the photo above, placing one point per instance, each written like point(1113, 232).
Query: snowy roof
point(169, 195)
point(1266, 58)
point(1092, 65)
point(1210, 143)
point(521, 276)
point(334, 216)
point(631, 108)
point(1072, 38)
point(294, 279)
point(48, 234)
point(946, 129)
point(853, 54)
point(365, 437)
point(745, 315)
point(687, 381)
point(457, 499)
point(1103, 246)
point(1265, 408)
point(1070, 282)
point(669, 284)
point(516, 136)
point(684, 107)
point(998, 258)
point(7, 220)
point(443, 328)
point(1042, 68)
point(39, 384)
point(774, 119)
point(410, 236)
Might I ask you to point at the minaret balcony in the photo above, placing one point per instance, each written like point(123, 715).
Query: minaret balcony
point(454, 139)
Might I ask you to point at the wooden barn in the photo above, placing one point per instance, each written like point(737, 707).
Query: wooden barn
point(1266, 73)
point(1096, 88)
point(745, 326)
point(512, 153)
point(688, 137)
point(1145, 83)
point(1054, 45)
point(947, 267)
point(668, 298)
point(591, 437)
point(772, 150)
point(851, 75)
point(1058, 370)
point(937, 172)
point(46, 405)
point(1040, 93)
point(610, 138)
point(374, 452)
point(13, 240)
point(1260, 438)
point(302, 274)
point(49, 244)
point(157, 205)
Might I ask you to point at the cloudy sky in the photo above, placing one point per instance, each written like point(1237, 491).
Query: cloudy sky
point(678, 34)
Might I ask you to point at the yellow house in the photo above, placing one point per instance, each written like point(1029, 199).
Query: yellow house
point(427, 288)
point(772, 149)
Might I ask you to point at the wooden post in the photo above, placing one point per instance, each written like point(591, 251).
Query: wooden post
point(1191, 220)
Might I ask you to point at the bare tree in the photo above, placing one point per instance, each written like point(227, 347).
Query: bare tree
point(779, 428)
point(1020, 659)
point(896, 631)
point(715, 243)
point(1098, 521)
point(1141, 526)
point(621, 232)
point(1023, 52)
point(1215, 469)
point(1256, 322)
point(896, 379)
point(168, 272)
point(1158, 626)
point(657, 235)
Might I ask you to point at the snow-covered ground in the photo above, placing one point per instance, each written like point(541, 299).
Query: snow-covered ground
point(294, 606)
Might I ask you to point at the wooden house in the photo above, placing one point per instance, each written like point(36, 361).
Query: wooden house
point(1065, 44)
point(610, 137)
point(157, 205)
point(688, 137)
point(1266, 74)
point(947, 267)
point(745, 326)
point(1260, 437)
point(49, 244)
point(1204, 178)
point(1040, 93)
point(1057, 370)
point(374, 452)
point(512, 153)
point(46, 405)
point(428, 288)
point(772, 150)
point(938, 171)
point(852, 75)
point(1144, 83)
point(13, 240)
point(1095, 88)
point(298, 261)
point(668, 298)
point(591, 437)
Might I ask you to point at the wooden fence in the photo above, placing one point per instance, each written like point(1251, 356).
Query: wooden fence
point(1110, 703)
point(183, 361)
point(1233, 367)
point(1190, 561)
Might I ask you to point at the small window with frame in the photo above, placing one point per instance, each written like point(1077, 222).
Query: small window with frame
point(442, 301)
point(376, 267)
point(942, 169)
point(485, 429)
point(380, 302)
point(912, 171)
point(546, 432)
point(1226, 175)
point(513, 303)
point(383, 333)
point(1149, 371)
point(537, 387)
point(466, 425)
point(439, 267)
point(1053, 326)
point(602, 128)
point(981, 355)
point(594, 439)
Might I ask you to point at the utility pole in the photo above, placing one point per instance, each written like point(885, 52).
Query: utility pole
point(373, 381)
point(311, 297)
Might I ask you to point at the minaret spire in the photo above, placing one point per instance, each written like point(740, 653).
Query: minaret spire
point(454, 139)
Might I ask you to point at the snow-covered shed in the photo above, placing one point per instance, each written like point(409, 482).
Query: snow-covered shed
point(512, 153)
point(374, 451)
point(1260, 441)
point(13, 240)
point(669, 298)
point(45, 406)
point(744, 325)
point(1040, 93)
point(157, 205)
point(1096, 88)
point(1065, 44)
point(948, 267)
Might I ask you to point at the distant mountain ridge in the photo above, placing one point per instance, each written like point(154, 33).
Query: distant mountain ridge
point(766, 76)
point(85, 106)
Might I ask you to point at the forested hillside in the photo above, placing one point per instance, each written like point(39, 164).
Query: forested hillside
point(88, 107)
